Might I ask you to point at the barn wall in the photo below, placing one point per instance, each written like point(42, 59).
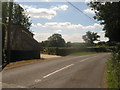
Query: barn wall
point(19, 55)
point(23, 45)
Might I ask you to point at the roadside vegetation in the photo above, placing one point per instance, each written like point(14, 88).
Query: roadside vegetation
point(108, 13)
point(113, 69)
point(83, 53)
point(64, 51)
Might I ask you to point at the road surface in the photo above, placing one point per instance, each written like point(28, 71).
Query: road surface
point(85, 71)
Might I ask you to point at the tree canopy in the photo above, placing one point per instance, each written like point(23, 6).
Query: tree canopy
point(90, 37)
point(109, 15)
point(55, 40)
point(19, 16)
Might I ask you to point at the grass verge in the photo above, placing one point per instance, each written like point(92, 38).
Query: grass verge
point(113, 72)
point(83, 53)
point(21, 63)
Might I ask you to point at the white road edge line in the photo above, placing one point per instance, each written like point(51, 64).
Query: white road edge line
point(57, 71)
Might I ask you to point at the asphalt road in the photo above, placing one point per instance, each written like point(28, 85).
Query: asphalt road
point(85, 71)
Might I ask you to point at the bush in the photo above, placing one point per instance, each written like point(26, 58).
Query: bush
point(52, 51)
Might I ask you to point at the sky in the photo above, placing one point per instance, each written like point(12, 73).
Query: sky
point(48, 18)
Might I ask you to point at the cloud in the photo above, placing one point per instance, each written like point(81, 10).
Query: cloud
point(32, 0)
point(41, 13)
point(68, 37)
point(76, 37)
point(102, 36)
point(47, 0)
point(42, 36)
point(66, 25)
point(57, 31)
point(73, 35)
point(70, 32)
point(47, 13)
point(60, 7)
point(88, 1)
point(89, 11)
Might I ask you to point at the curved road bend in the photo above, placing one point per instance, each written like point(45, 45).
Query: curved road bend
point(85, 71)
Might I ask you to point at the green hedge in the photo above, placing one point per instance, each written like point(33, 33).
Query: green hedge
point(66, 51)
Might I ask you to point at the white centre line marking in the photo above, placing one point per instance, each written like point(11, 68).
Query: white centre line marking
point(57, 71)
point(64, 68)
point(38, 80)
point(84, 60)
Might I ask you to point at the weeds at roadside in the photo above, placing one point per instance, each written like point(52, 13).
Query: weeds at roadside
point(113, 69)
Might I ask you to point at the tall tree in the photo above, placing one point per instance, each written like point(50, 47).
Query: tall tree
point(90, 37)
point(19, 16)
point(56, 40)
point(68, 44)
point(109, 15)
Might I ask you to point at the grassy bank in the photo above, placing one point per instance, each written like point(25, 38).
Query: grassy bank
point(113, 70)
